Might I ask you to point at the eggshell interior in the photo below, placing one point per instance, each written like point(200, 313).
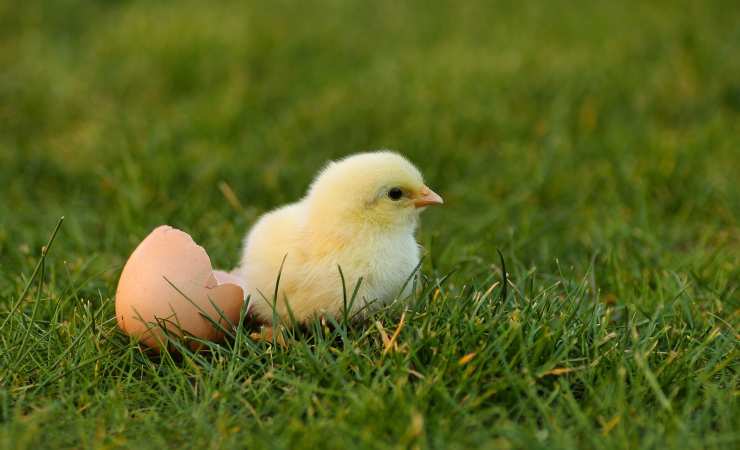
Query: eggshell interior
point(168, 281)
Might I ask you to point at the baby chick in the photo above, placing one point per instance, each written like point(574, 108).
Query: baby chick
point(359, 214)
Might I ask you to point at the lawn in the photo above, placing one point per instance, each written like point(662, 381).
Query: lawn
point(595, 144)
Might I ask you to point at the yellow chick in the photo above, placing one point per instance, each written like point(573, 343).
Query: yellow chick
point(359, 214)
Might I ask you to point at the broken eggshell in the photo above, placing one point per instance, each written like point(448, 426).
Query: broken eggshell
point(168, 282)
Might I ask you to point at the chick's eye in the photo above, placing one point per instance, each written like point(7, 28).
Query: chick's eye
point(395, 193)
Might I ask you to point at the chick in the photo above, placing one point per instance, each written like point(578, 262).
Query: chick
point(359, 214)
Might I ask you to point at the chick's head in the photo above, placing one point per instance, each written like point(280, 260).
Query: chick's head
point(377, 189)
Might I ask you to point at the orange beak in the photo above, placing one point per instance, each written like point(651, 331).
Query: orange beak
point(427, 197)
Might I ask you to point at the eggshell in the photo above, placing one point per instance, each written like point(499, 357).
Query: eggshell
point(168, 281)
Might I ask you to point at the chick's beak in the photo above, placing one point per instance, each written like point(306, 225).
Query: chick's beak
point(427, 197)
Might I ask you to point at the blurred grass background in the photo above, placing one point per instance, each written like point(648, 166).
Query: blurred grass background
point(599, 139)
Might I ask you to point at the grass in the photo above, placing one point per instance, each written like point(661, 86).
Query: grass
point(594, 143)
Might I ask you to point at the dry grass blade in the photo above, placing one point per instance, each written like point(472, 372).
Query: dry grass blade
point(392, 345)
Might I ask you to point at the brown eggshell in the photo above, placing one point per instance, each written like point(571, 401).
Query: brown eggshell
point(169, 280)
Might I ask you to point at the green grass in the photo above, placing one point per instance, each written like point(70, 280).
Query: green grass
point(597, 144)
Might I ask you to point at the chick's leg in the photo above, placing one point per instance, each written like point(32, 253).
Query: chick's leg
point(268, 334)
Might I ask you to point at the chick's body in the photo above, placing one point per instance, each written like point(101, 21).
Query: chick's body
point(360, 214)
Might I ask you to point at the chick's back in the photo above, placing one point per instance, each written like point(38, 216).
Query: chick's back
point(275, 236)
